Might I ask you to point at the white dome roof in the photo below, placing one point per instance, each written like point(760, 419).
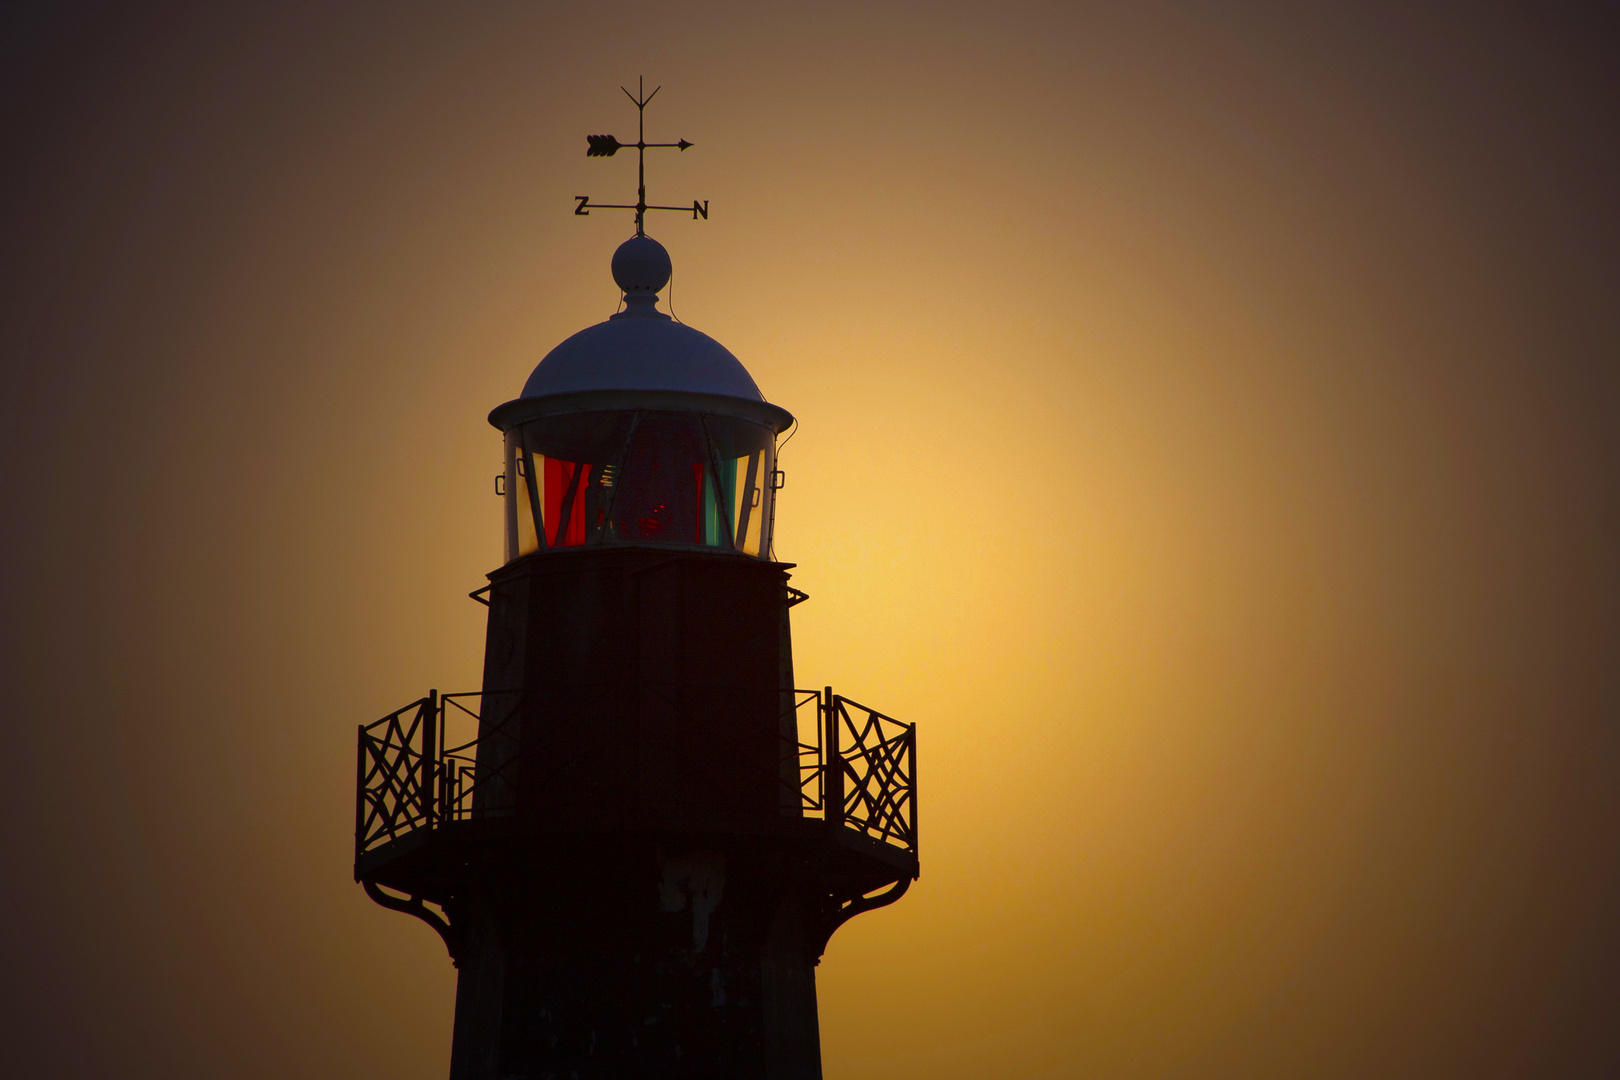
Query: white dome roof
point(641, 352)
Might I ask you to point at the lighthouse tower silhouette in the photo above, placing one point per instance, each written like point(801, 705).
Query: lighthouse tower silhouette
point(637, 838)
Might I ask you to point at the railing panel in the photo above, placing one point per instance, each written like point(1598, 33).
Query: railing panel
point(470, 786)
point(877, 770)
point(802, 767)
point(395, 773)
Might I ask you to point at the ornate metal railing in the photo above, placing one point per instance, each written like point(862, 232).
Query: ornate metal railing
point(414, 770)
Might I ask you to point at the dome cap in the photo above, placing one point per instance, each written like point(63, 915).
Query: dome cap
point(641, 267)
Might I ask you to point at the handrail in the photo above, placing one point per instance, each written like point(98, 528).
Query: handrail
point(852, 766)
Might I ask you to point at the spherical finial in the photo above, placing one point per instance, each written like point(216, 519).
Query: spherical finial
point(641, 266)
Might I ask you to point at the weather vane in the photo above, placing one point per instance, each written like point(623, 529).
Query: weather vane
point(607, 146)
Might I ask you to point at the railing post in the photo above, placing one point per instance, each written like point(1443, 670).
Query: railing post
point(360, 795)
point(430, 730)
point(911, 746)
point(833, 771)
point(444, 789)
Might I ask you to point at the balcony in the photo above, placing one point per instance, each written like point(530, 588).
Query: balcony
point(843, 770)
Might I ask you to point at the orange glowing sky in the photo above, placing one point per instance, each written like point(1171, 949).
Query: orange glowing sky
point(1208, 437)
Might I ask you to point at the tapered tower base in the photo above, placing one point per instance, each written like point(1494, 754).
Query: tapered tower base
point(640, 957)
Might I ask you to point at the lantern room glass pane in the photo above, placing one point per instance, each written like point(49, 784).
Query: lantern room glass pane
point(747, 457)
point(573, 460)
point(522, 538)
point(749, 479)
point(661, 497)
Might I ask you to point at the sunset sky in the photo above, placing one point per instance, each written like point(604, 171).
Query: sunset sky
point(1209, 436)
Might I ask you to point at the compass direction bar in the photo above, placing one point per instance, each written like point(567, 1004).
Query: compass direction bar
point(584, 206)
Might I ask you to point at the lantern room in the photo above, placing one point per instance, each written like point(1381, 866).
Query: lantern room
point(640, 431)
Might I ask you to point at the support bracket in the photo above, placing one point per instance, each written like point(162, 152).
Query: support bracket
point(414, 906)
point(840, 912)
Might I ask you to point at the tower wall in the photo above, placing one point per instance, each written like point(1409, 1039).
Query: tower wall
point(644, 916)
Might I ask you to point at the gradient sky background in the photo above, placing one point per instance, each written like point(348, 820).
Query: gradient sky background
point(1210, 437)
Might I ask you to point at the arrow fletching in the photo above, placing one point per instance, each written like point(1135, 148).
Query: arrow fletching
point(601, 146)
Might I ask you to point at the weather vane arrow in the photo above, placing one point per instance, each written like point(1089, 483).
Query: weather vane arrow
point(607, 146)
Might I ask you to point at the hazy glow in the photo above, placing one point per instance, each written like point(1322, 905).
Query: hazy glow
point(1208, 436)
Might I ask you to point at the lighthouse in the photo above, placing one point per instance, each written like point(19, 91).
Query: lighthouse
point(638, 836)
